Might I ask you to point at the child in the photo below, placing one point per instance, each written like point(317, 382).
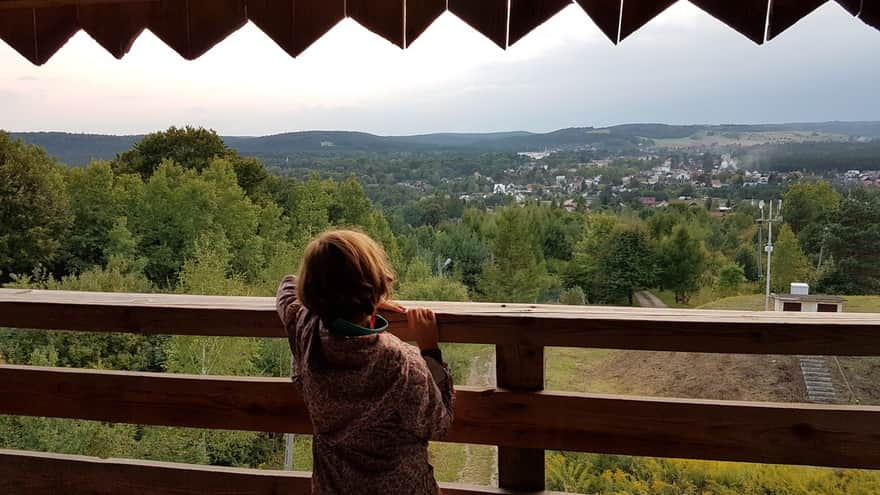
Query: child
point(374, 401)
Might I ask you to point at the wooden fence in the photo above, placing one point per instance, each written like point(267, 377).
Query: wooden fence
point(517, 416)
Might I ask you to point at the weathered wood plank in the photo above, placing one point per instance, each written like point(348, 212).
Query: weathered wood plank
point(520, 368)
point(738, 332)
point(40, 4)
point(35, 473)
point(242, 403)
point(808, 434)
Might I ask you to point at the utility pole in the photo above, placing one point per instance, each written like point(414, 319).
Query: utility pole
point(822, 248)
point(442, 265)
point(769, 248)
point(761, 240)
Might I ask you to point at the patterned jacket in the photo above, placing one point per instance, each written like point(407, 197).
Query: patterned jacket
point(374, 402)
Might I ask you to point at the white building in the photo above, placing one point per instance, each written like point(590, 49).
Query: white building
point(800, 300)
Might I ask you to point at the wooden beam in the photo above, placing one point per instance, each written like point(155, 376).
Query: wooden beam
point(41, 4)
point(255, 404)
point(650, 329)
point(807, 434)
point(489, 17)
point(36, 473)
point(420, 14)
point(520, 368)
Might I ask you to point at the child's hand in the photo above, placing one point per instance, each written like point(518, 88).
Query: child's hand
point(391, 306)
point(423, 328)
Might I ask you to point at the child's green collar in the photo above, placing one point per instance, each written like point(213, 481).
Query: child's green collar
point(345, 328)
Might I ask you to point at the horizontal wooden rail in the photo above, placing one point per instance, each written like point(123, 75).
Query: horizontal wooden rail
point(36, 473)
point(683, 330)
point(821, 435)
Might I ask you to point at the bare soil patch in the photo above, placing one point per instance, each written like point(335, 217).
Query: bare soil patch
point(702, 376)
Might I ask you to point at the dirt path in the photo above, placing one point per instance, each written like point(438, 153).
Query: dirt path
point(648, 300)
point(481, 461)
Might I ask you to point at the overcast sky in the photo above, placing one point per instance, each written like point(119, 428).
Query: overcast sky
point(683, 67)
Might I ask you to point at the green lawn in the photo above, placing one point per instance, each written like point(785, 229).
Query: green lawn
point(862, 304)
point(755, 302)
point(752, 302)
point(568, 369)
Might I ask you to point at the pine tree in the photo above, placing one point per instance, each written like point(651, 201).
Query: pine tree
point(789, 263)
point(852, 242)
point(681, 262)
point(627, 264)
point(517, 272)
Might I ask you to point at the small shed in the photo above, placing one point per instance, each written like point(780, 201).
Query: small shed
point(800, 300)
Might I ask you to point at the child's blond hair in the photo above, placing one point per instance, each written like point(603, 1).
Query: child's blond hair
point(344, 274)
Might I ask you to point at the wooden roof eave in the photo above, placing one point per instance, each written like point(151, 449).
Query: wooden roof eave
point(37, 29)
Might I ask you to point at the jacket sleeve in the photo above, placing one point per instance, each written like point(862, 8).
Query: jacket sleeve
point(288, 307)
point(428, 398)
point(286, 302)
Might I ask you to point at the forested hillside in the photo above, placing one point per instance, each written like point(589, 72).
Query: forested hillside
point(180, 211)
point(79, 149)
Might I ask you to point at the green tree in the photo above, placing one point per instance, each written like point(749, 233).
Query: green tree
point(809, 207)
point(190, 147)
point(809, 203)
point(307, 205)
point(748, 262)
point(730, 279)
point(584, 270)
point(573, 296)
point(852, 242)
point(433, 288)
point(34, 210)
point(252, 177)
point(517, 272)
point(789, 263)
point(64, 436)
point(207, 272)
point(467, 249)
point(681, 262)
point(180, 206)
point(193, 149)
point(236, 216)
point(627, 264)
point(419, 284)
point(96, 201)
point(121, 351)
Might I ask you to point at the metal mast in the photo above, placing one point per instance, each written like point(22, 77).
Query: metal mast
point(769, 248)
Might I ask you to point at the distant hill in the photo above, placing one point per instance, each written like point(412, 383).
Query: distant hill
point(79, 149)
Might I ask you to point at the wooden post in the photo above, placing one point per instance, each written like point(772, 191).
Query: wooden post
point(520, 367)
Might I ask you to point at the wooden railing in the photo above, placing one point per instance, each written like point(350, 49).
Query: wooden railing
point(518, 417)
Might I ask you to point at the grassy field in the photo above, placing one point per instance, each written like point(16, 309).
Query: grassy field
point(572, 370)
point(706, 295)
point(660, 374)
point(755, 302)
point(860, 375)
